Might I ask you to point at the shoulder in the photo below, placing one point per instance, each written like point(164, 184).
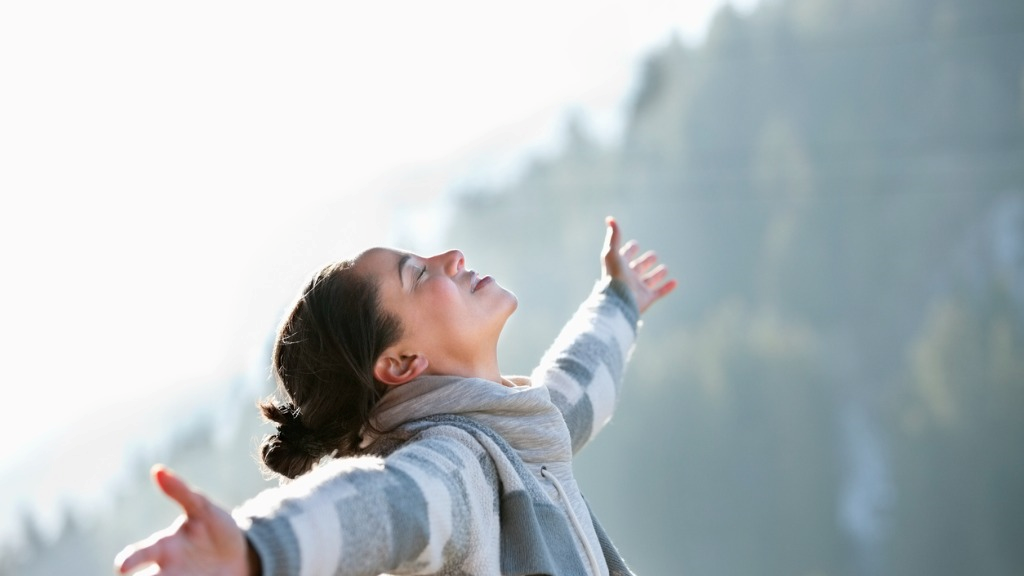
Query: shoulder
point(446, 436)
point(448, 454)
point(442, 429)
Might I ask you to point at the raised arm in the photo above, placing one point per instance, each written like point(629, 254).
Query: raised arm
point(583, 368)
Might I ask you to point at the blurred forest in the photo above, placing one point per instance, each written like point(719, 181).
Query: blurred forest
point(837, 387)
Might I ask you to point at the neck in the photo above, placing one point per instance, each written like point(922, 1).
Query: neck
point(486, 368)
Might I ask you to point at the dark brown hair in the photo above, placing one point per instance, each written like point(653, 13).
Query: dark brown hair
point(323, 361)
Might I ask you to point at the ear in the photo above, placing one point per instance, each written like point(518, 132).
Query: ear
point(395, 369)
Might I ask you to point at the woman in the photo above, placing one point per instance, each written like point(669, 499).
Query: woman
point(410, 452)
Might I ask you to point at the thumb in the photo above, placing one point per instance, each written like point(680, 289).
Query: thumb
point(611, 238)
point(193, 503)
point(610, 257)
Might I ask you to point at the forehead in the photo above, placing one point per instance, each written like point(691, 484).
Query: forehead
point(380, 264)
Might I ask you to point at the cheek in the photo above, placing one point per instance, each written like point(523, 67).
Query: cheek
point(442, 301)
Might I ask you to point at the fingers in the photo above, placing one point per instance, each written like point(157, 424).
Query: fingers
point(152, 550)
point(630, 250)
point(613, 242)
point(647, 279)
point(656, 284)
point(664, 289)
point(129, 559)
point(193, 503)
point(645, 262)
point(655, 276)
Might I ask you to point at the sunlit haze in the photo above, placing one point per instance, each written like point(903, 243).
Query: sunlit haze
point(169, 172)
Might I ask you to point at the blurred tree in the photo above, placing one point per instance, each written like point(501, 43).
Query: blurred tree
point(810, 173)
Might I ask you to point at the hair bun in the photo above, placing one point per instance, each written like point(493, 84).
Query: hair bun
point(294, 449)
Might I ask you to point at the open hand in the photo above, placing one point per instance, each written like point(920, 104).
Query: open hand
point(645, 277)
point(205, 540)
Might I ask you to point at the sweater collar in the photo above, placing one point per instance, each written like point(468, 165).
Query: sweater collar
point(519, 411)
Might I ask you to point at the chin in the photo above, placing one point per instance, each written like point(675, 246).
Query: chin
point(513, 302)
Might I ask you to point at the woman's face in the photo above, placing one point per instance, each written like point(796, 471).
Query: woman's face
point(450, 313)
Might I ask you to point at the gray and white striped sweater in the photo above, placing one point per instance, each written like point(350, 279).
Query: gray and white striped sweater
point(473, 478)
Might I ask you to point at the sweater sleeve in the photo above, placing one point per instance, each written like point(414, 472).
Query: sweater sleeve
point(583, 369)
point(408, 513)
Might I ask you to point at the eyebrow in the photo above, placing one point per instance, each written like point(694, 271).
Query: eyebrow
point(401, 266)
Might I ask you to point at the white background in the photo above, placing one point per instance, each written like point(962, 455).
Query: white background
point(169, 172)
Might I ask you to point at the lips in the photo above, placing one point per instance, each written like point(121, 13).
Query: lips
point(476, 282)
point(481, 282)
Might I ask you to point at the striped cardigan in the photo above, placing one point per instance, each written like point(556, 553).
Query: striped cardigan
point(473, 477)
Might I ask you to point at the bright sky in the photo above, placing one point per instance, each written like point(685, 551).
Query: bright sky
point(169, 172)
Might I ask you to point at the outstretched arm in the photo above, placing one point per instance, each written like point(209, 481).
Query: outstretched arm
point(583, 368)
point(428, 503)
point(204, 540)
point(418, 508)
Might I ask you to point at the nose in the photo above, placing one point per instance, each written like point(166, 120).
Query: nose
point(452, 261)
